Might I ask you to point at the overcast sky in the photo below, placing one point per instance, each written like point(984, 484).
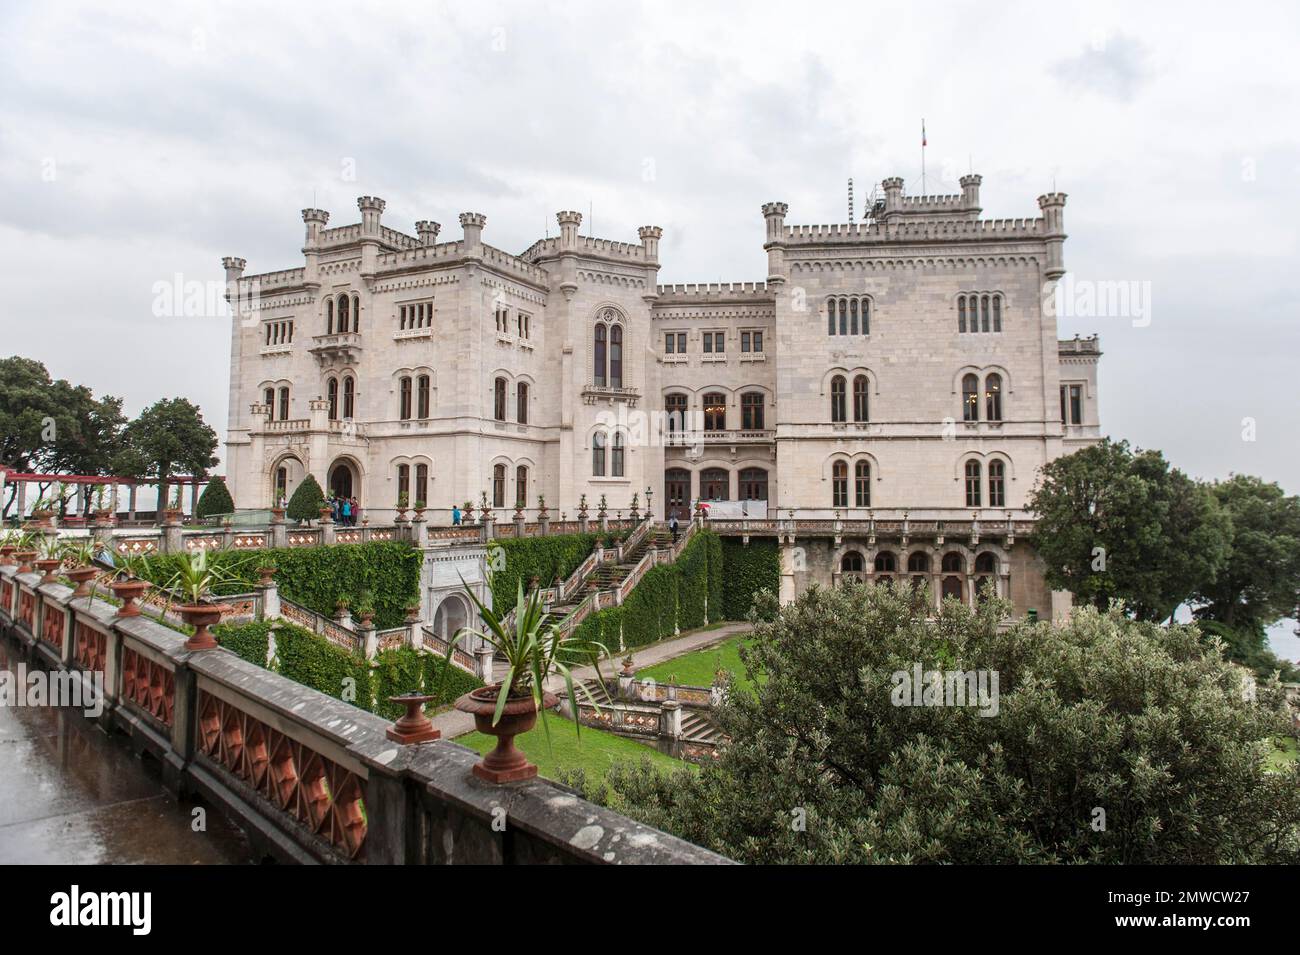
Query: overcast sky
point(138, 145)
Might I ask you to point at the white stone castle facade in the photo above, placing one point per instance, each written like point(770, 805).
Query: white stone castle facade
point(904, 363)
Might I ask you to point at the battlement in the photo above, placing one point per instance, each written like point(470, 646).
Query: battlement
point(899, 230)
point(1085, 347)
point(714, 292)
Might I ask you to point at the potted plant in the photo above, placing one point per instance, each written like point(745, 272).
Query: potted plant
point(419, 510)
point(172, 514)
point(412, 613)
point(533, 650)
point(341, 606)
point(519, 510)
point(627, 665)
point(541, 508)
point(266, 575)
point(402, 504)
point(194, 581)
point(130, 584)
point(468, 510)
point(365, 608)
point(42, 513)
point(51, 557)
point(81, 553)
point(484, 510)
point(104, 513)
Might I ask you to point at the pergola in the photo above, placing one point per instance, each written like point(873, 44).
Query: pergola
point(83, 481)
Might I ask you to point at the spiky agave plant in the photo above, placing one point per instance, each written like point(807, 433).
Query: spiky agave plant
point(533, 650)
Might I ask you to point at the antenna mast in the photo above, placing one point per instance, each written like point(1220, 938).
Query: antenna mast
point(850, 200)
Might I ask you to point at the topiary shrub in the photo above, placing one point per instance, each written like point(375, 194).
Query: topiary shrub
point(215, 499)
point(306, 502)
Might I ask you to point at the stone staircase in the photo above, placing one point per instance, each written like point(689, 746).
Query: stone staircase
point(698, 726)
point(610, 576)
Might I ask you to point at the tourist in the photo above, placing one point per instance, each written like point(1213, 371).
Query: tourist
point(345, 509)
point(672, 526)
point(455, 516)
point(355, 510)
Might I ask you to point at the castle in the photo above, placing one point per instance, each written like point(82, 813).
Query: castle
point(905, 363)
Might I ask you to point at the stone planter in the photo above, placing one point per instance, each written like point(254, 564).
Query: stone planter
point(129, 591)
point(277, 514)
point(24, 558)
point(172, 515)
point(366, 618)
point(6, 554)
point(266, 576)
point(505, 764)
point(41, 518)
point(81, 576)
point(48, 568)
point(325, 513)
point(105, 517)
point(413, 726)
point(201, 617)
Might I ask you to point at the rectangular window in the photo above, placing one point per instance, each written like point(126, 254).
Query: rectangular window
point(708, 343)
point(670, 344)
point(1076, 404)
point(744, 341)
point(524, 325)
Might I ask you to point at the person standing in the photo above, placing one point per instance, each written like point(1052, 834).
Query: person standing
point(672, 526)
point(455, 516)
point(346, 511)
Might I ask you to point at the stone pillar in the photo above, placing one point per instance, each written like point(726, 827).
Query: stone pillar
point(130, 503)
point(519, 525)
point(415, 632)
point(582, 523)
point(326, 530)
point(483, 664)
point(788, 594)
point(670, 720)
point(227, 535)
point(279, 534)
point(369, 639)
point(172, 542)
point(544, 518)
point(343, 617)
point(270, 600)
point(420, 530)
point(625, 680)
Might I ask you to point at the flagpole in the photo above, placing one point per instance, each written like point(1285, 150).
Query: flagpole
point(923, 156)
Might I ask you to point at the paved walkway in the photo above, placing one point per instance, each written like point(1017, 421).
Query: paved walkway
point(454, 723)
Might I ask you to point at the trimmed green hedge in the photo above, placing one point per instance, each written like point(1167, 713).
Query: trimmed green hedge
point(316, 577)
point(249, 641)
point(747, 569)
point(313, 661)
point(513, 560)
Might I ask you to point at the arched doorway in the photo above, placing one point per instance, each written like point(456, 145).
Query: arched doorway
point(451, 616)
point(341, 480)
point(285, 475)
point(677, 493)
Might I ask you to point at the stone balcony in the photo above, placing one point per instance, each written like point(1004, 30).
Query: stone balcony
point(334, 351)
point(594, 394)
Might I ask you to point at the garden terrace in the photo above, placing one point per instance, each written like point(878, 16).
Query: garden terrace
point(309, 778)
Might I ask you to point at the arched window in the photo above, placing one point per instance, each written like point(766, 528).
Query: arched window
point(450, 618)
point(993, 398)
point(986, 563)
point(403, 484)
point(961, 313)
point(598, 454)
point(521, 402)
point(837, 399)
point(753, 484)
point(329, 316)
point(851, 562)
point(986, 568)
point(421, 484)
point(281, 485)
point(343, 315)
point(598, 353)
point(830, 316)
point(885, 565)
point(984, 313)
point(499, 399)
point(997, 484)
point(715, 485)
point(861, 387)
point(751, 411)
point(616, 356)
point(284, 404)
point(356, 312)
point(675, 407)
point(616, 457)
point(715, 411)
point(972, 484)
point(970, 398)
point(498, 485)
point(862, 484)
point(839, 484)
point(422, 396)
point(918, 562)
point(349, 396)
point(952, 563)
point(332, 395)
point(268, 399)
point(404, 398)
point(853, 316)
point(997, 313)
point(521, 486)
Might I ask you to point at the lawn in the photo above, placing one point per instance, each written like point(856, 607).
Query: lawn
point(1282, 754)
point(594, 752)
point(697, 668)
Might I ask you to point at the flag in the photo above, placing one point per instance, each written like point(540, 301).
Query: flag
point(923, 133)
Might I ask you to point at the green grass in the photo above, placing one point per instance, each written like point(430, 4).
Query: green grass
point(697, 668)
point(595, 752)
point(1282, 754)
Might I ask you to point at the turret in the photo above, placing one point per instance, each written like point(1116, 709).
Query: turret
point(970, 190)
point(893, 187)
point(315, 220)
point(650, 236)
point(428, 230)
point(372, 209)
point(1053, 206)
point(774, 214)
point(472, 223)
point(234, 268)
point(569, 222)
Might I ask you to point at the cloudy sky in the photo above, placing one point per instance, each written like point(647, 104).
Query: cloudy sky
point(138, 144)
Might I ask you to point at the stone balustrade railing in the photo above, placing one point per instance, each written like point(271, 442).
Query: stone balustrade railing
point(308, 777)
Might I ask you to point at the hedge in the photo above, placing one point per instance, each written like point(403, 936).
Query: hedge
point(747, 569)
point(248, 641)
point(316, 577)
point(520, 559)
point(313, 661)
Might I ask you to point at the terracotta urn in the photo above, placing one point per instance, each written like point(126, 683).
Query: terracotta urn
point(413, 614)
point(41, 518)
point(325, 513)
point(401, 514)
point(48, 567)
point(129, 591)
point(201, 617)
point(172, 515)
point(413, 726)
point(105, 516)
point(366, 619)
point(277, 515)
point(266, 576)
point(6, 554)
point(505, 764)
point(24, 558)
point(81, 576)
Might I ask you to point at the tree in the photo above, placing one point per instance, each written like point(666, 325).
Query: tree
point(169, 437)
point(1114, 524)
point(52, 425)
point(215, 499)
point(1260, 583)
point(1113, 741)
point(307, 500)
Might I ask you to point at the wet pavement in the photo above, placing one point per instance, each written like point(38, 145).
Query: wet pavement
point(72, 794)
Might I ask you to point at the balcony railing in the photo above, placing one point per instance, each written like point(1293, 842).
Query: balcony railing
point(337, 349)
